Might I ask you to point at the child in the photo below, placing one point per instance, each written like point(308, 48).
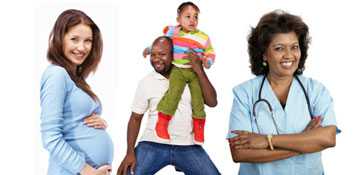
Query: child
point(184, 36)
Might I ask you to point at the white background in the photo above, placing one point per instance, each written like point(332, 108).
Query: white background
point(128, 27)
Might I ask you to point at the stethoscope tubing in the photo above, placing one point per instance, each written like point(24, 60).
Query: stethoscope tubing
point(270, 108)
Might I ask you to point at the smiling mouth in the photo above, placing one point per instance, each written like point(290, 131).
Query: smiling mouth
point(78, 54)
point(287, 65)
point(158, 65)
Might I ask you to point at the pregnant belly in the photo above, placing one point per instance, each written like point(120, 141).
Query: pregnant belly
point(96, 144)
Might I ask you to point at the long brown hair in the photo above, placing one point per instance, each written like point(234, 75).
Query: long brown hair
point(55, 54)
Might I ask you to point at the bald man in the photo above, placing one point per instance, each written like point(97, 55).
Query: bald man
point(152, 154)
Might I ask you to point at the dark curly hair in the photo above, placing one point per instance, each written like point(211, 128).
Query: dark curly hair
point(269, 25)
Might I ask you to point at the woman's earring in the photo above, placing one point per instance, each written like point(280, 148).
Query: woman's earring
point(264, 63)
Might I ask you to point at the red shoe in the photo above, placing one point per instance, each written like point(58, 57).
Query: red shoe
point(161, 128)
point(199, 130)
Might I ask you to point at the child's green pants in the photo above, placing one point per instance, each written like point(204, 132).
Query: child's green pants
point(177, 82)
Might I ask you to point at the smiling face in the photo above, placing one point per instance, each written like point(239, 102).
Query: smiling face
point(161, 56)
point(77, 43)
point(283, 55)
point(188, 18)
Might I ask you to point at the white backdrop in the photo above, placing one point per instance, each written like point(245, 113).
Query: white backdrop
point(128, 27)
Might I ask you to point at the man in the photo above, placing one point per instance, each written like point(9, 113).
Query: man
point(151, 154)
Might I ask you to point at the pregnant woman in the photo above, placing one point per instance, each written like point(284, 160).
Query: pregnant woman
point(71, 126)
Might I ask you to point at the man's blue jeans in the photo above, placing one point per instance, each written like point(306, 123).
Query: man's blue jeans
point(152, 157)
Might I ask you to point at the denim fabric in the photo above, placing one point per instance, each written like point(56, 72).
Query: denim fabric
point(192, 160)
point(177, 82)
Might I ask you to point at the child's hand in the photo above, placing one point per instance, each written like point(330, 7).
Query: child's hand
point(145, 53)
point(206, 64)
point(94, 120)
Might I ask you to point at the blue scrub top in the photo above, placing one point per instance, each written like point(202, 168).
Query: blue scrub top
point(290, 120)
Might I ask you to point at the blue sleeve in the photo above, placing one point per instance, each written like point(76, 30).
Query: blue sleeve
point(52, 95)
point(211, 62)
point(240, 115)
point(149, 48)
point(169, 31)
point(323, 105)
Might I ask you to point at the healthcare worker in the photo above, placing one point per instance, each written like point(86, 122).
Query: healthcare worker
point(280, 120)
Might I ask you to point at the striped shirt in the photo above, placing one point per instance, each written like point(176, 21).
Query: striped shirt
point(196, 40)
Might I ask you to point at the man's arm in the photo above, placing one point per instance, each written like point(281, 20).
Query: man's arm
point(208, 91)
point(132, 134)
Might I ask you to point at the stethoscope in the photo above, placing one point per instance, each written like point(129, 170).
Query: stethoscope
point(270, 108)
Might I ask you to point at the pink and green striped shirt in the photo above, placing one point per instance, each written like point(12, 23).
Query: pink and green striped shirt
point(196, 40)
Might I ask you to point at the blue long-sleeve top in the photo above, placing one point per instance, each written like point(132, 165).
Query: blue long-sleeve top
point(69, 141)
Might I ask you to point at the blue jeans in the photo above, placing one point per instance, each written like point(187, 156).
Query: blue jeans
point(152, 157)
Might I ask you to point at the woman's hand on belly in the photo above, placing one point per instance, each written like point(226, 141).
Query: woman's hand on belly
point(94, 120)
point(105, 170)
